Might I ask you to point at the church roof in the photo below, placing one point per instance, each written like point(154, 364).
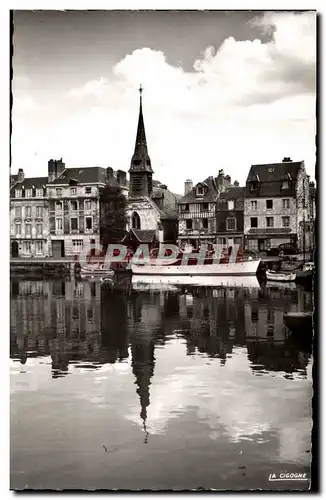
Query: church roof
point(140, 161)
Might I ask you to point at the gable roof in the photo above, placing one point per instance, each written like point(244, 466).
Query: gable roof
point(210, 195)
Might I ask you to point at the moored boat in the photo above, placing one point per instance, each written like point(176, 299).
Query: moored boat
point(246, 268)
point(280, 276)
point(98, 271)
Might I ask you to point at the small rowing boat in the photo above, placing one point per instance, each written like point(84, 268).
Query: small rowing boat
point(280, 276)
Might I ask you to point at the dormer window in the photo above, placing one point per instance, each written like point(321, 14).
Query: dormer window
point(285, 185)
point(230, 204)
point(199, 190)
point(253, 186)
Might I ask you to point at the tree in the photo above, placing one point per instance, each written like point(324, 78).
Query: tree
point(113, 216)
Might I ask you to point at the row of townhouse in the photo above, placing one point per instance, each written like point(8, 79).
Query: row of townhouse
point(59, 214)
point(277, 205)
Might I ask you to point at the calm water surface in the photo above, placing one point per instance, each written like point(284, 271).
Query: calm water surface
point(180, 387)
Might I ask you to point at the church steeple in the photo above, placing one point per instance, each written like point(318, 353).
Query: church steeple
point(140, 167)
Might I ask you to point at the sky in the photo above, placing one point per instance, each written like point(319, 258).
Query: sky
point(222, 90)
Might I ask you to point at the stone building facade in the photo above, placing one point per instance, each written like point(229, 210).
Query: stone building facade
point(197, 210)
point(229, 217)
point(29, 216)
point(276, 206)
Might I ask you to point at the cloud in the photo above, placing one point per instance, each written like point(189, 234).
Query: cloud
point(244, 102)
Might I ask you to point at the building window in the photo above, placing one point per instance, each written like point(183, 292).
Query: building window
point(58, 224)
point(73, 191)
point(28, 229)
point(27, 247)
point(253, 186)
point(33, 192)
point(286, 203)
point(88, 190)
point(285, 185)
point(253, 245)
point(184, 208)
point(18, 229)
point(39, 247)
point(28, 193)
point(74, 206)
point(39, 229)
point(58, 192)
point(253, 222)
point(28, 211)
point(189, 224)
point(269, 204)
point(18, 212)
point(18, 193)
point(222, 241)
point(89, 222)
point(135, 221)
point(39, 211)
point(88, 205)
point(205, 223)
point(77, 244)
point(269, 221)
point(39, 193)
point(253, 205)
point(230, 204)
point(204, 207)
point(58, 206)
point(200, 191)
point(74, 223)
point(231, 224)
point(285, 221)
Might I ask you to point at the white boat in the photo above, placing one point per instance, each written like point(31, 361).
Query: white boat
point(246, 268)
point(152, 282)
point(280, 276)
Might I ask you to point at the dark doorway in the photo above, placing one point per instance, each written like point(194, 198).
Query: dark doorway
point(14, 249)
point(93, 249)
point(58, 249)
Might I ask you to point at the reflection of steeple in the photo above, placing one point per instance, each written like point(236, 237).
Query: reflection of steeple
point(114, 325)
point(143, 362)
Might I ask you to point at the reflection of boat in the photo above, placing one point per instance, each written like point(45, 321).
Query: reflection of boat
point(158, 282)
point(298, 322)
point(306, 272)
point(96, 271)
point(246, 268)
point(280, 276)
point(281, 285)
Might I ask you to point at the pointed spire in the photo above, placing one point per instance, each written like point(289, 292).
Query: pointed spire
point(140, 161)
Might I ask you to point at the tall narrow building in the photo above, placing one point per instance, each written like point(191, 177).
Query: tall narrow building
point(141, 173)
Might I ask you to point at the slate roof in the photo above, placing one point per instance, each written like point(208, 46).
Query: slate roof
point(210, 195)
point(168, 207)
point(270, 177)
point(29, 182)
point(86, 175)
point(233, 192)
point(144, 235)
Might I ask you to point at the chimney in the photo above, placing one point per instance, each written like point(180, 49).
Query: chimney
point(55, 169)
point(286, 159)
point(21, 175)
point(236, 183)
point(220, 178)
point(109, 174)
point(188, 186)
point(227, 181)
point(122, 178)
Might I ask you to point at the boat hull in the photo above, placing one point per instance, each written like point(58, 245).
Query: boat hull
point(248, 268)
point(280, 276)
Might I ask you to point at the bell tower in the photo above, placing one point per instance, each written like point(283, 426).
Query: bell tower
point(141, 173)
